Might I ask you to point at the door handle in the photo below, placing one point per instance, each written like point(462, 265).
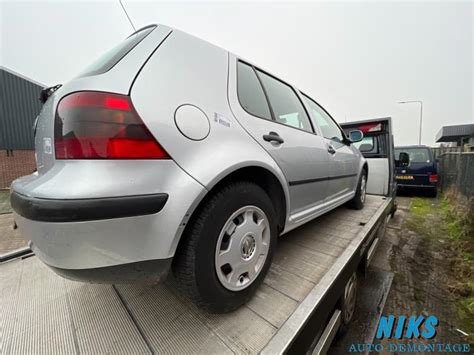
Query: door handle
point(273, 137)
point(331, 149)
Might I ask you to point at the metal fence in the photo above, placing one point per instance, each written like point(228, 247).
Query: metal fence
point(438, 151)
point(456, 169)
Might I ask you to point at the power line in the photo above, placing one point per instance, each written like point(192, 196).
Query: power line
point(126, 14)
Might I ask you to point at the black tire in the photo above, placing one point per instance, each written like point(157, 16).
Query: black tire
point(194, 262)
point(357, 201)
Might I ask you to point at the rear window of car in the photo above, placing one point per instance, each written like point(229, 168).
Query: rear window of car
point(416, 155)
point(110, 58)
point(250, 92)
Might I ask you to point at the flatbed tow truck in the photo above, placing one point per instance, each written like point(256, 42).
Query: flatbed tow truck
point(304, 300)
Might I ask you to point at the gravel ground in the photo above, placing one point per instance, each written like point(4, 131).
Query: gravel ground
point(421, 265)
point(422, 271)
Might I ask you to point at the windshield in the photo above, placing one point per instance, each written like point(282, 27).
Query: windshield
point(416, 155)
point(106, 61)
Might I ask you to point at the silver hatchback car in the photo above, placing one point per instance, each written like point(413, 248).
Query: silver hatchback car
point(170, 153)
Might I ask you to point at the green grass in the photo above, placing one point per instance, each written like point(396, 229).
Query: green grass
point(420, 207)
point(465, 309)
point(454, 225)
point(450, 221)
point(456, 218)
point(437, 219)
point(420, 211)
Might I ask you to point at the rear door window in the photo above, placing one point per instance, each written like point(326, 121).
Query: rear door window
point(286, 106)
point(106, 62)
point(328, 127)
point(250, 92)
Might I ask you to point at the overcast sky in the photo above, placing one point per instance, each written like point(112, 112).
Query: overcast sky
point(358, 59)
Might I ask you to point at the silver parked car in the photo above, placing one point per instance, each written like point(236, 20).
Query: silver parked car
point(172, 153)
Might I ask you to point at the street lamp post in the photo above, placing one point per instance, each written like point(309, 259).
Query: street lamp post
point(421, 115)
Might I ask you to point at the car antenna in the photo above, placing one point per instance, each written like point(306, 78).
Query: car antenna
point(128, 17)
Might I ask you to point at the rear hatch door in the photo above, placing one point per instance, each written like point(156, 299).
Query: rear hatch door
point(113, 72)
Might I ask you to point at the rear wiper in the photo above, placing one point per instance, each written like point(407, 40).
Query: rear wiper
point(46, 93)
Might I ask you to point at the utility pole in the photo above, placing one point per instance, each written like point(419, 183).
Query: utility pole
point(421, 115)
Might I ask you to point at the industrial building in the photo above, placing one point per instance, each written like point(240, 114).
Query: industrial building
point(19, 107)
point(462, 135)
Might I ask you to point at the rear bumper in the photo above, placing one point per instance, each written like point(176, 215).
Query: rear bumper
point(87, 209)
point(78, 219)
point(149, 271)
point(409, 186)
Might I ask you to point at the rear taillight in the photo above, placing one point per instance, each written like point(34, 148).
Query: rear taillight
point(98, 125)
point(433, 178)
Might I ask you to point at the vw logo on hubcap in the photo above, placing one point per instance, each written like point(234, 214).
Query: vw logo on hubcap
point(248, 246)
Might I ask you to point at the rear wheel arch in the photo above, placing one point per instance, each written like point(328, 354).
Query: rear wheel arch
point(263, 178)
point(255, 174)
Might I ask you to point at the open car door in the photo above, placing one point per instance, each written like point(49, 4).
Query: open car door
point(378, 148)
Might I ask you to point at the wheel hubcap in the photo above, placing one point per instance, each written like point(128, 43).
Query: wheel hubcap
point(242, 248)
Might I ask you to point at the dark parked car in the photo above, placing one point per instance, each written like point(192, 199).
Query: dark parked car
point(416, 168)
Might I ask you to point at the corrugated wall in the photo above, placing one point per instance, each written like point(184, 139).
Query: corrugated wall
point(457, 170)
point(19, 106)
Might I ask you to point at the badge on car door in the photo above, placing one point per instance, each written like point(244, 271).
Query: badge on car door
point(222, 120)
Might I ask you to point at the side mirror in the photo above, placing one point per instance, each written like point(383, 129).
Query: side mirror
point(356, 136)
point(403, 160)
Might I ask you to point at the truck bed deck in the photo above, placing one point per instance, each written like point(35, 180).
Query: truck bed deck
point(44, 313)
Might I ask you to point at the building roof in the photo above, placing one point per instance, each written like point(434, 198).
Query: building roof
point(454, 133)
point(21, 76)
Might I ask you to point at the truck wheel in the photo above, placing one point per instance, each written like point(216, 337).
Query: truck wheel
point(359, 199)
point(227, 248)
point(348, 303)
